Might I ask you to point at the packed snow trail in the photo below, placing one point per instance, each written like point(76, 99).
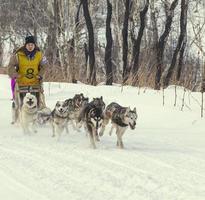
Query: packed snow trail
point(163, 159)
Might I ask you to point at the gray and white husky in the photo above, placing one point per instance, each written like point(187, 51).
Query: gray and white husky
point(59, 118)
point(76, 104)
point(92, 117)
point(28, 113)
point(121, 118)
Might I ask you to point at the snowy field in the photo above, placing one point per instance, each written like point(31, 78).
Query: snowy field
point(163, 159)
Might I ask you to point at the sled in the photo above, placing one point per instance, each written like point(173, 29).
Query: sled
point(37, 90)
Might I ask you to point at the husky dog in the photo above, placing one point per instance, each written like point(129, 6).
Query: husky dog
point(121, 118)
point(93, 121)
point(96, 102)
point(28, 113)
point(59, 118)
point(75, 106)
point(92, 117)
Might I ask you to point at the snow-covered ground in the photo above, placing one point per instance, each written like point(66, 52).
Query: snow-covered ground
point(163, 159)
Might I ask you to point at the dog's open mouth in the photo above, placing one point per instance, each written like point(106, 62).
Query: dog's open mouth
point(132, 126)
point(30, 102)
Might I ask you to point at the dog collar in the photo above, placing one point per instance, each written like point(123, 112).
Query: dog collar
point(60, 116)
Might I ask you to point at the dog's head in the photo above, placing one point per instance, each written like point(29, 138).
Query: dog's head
point(30, 100)
point(61, 107)
point(70, 104)
point(131, 117)
point(78, 100)
point(99, 103)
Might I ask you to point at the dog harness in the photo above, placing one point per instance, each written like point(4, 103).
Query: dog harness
point(119, 122)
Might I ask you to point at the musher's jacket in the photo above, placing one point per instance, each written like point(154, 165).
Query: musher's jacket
point(25, 69)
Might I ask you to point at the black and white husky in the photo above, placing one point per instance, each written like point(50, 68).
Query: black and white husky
point(59, 118)
point(28, 113)
point(92, 117)
point(121, 118)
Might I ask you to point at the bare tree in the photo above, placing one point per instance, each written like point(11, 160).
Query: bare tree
point(92, 68)
point(108, 48)
point(137, 44)
point(180, 45)
point(162, 42)
point(128, 5)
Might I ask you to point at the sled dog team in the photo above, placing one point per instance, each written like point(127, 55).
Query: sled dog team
point(94, 116)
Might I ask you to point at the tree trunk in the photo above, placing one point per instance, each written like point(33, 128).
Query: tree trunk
point(183, 30)
point(137, 43)
point(52, 52)
point(162, 42)
point(108, 48)
point(181, 56)
point(128, 4)
point(71, 54)
point(92, 71)
point(117, 47)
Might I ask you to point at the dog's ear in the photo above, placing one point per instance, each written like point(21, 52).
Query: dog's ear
point(28, 94)
point(70, 102)
point(135, 110)
point(66, 102)
point(101, 98)
point(57, 103)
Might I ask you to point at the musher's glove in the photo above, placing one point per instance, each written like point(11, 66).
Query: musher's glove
point(39, 77)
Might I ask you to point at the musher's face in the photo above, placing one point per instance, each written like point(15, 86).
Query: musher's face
point(30, 46)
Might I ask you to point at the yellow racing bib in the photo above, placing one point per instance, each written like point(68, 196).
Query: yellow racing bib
point(28, 69)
